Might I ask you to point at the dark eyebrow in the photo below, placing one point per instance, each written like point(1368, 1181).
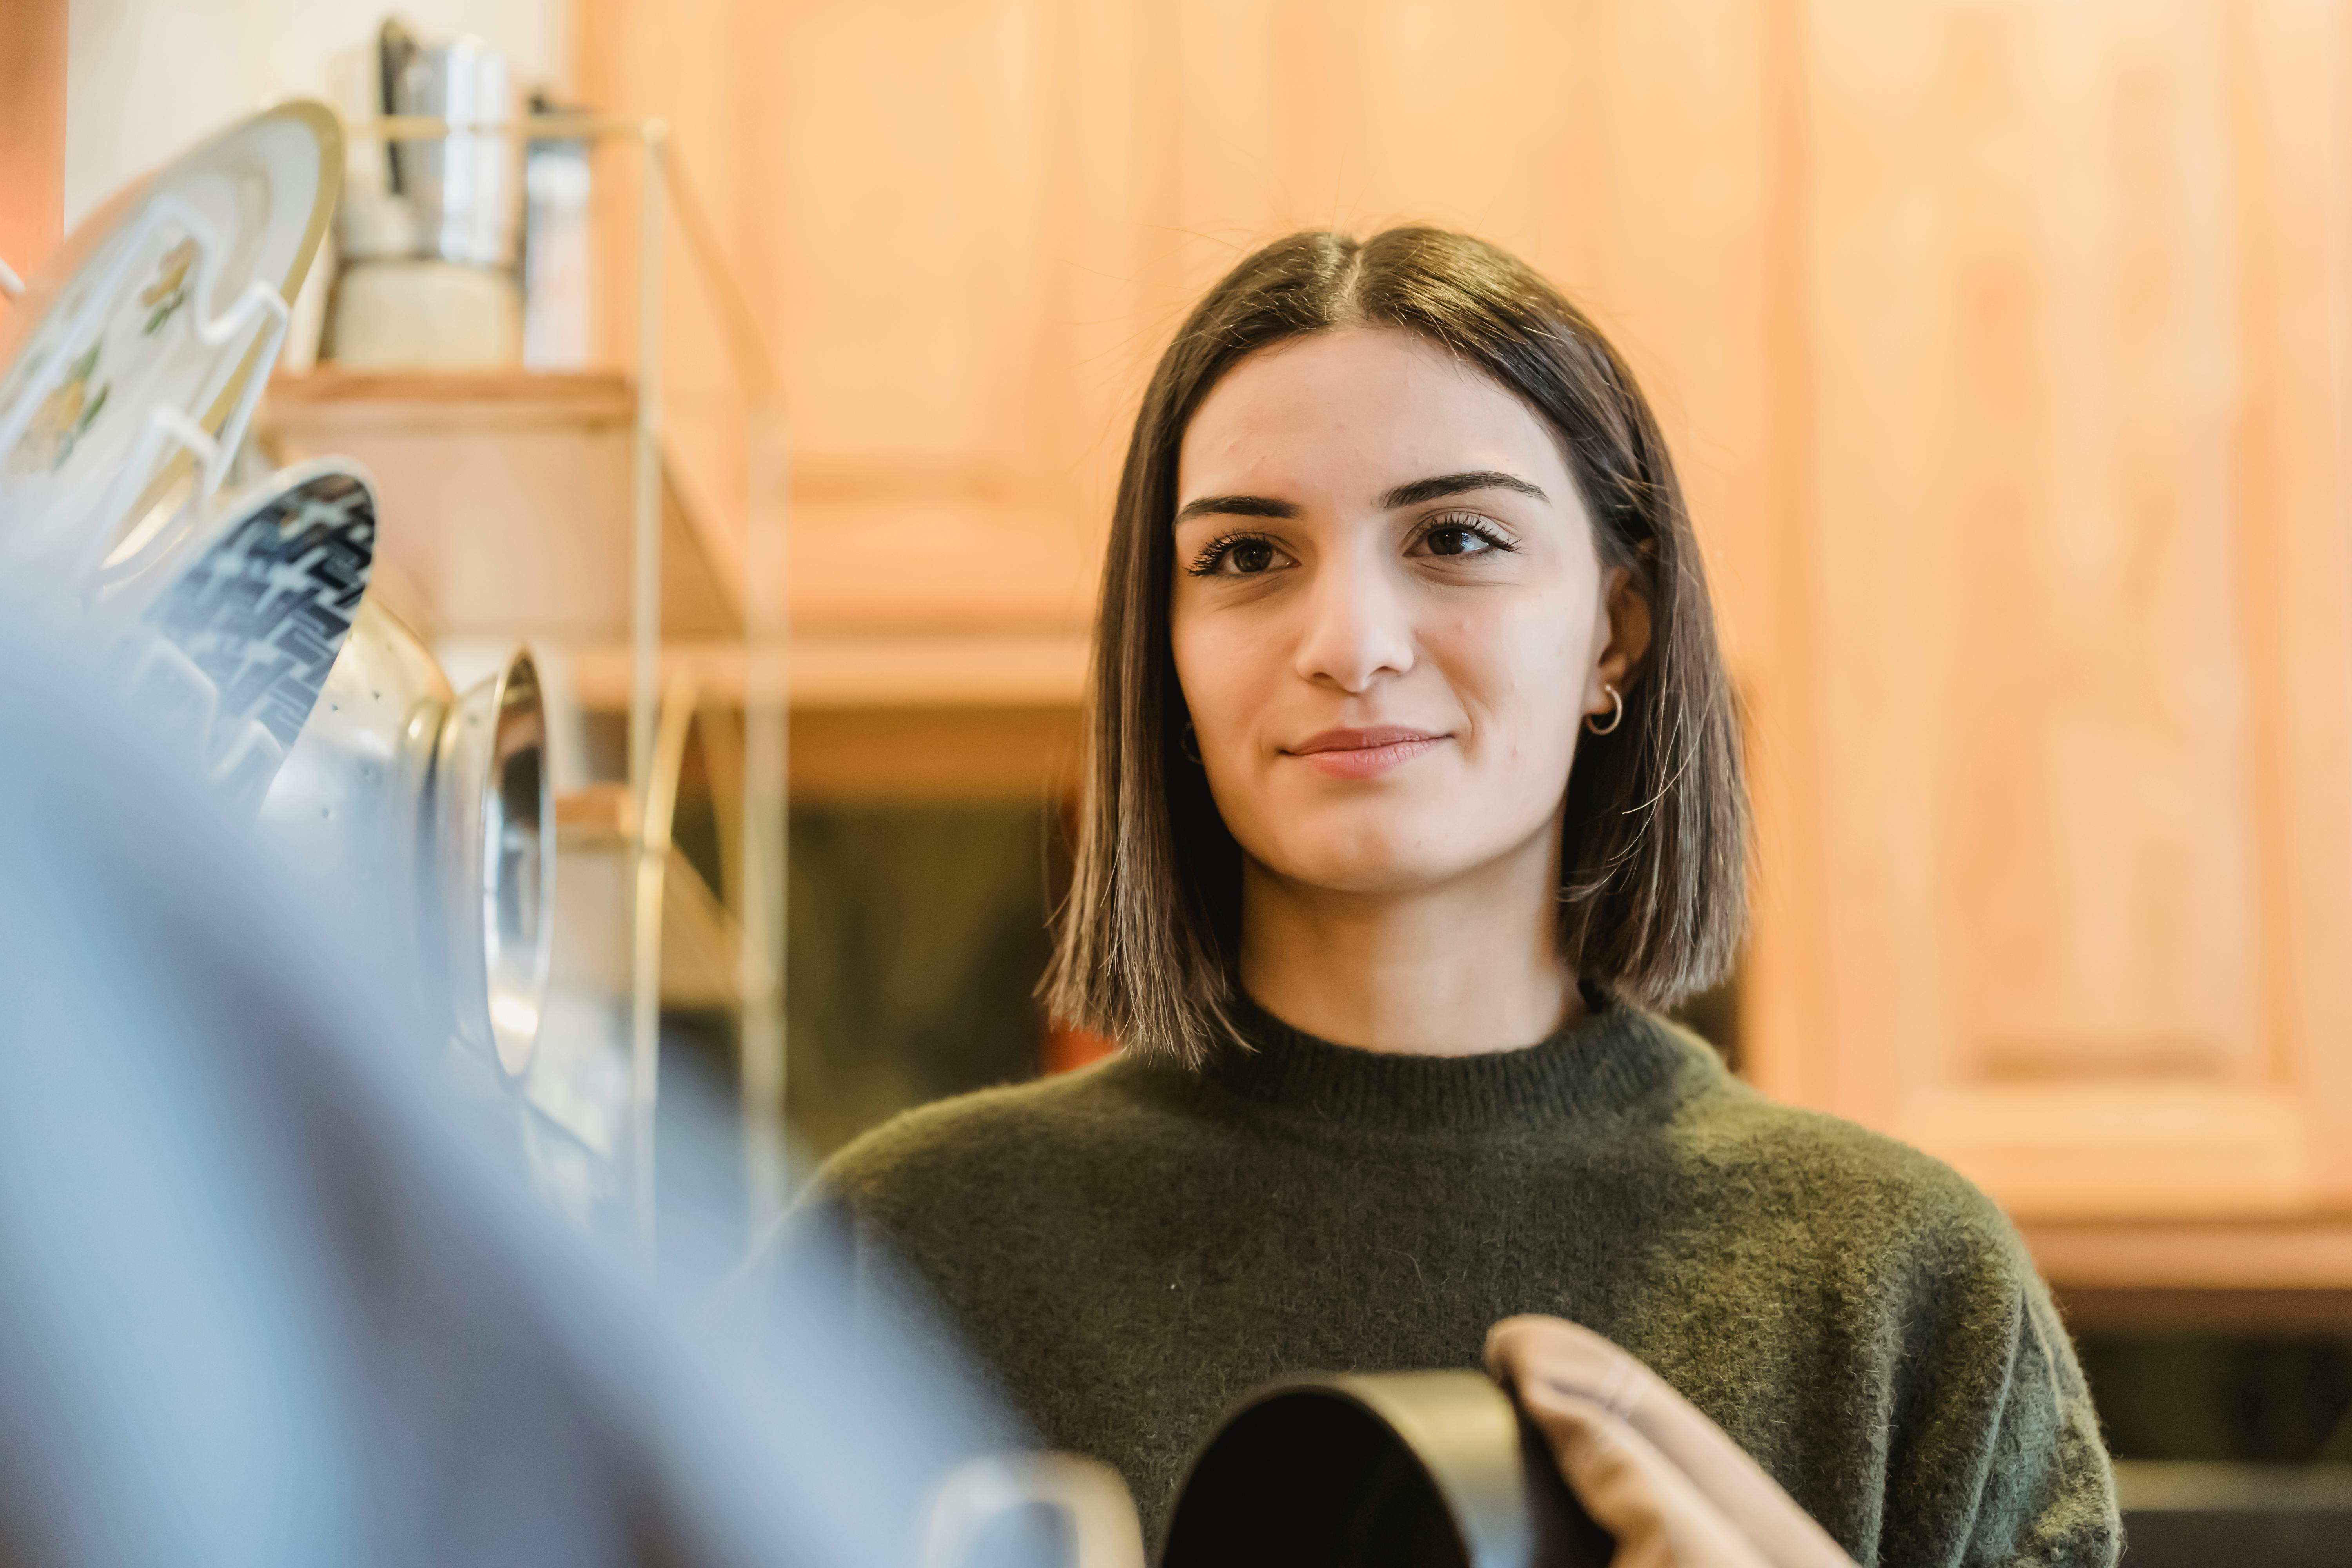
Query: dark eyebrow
point(1421, 490)
point(1235, 506)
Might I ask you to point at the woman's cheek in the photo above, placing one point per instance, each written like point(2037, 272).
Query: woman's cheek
point(1521, 691)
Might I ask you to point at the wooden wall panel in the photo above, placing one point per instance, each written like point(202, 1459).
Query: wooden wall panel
point(969, 227)
point(2074, 438)
point(2288, 98)
point(32, 131)
point(2004, 348)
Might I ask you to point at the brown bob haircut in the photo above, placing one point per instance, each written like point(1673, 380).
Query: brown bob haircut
point(1653, 876)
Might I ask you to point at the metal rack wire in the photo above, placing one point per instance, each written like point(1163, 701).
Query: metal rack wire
point(667, 195)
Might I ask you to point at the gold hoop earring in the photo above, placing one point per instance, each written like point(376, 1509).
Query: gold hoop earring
point(1616, 714)
point(1189, 743)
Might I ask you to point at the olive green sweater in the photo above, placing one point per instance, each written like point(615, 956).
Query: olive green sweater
point(1129, 1248)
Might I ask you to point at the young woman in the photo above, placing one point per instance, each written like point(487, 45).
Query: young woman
point(1415, 784)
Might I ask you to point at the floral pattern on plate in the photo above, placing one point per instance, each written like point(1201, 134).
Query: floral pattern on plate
point(61, 418)
point(153, 348)
point(169, 292)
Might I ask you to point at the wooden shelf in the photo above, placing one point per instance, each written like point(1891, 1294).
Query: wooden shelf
point(505, 501)
point(937, 754)
point(2227, 1309)
point(877, 719)
point(2303, 1254)
point(846, 672)
point(459, 400)
point(505, 497)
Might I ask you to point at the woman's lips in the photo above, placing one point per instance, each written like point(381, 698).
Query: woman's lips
point(1362, 753)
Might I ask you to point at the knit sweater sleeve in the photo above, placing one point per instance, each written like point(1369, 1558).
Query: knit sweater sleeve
point(2049, 1491)
point(2001, 1463)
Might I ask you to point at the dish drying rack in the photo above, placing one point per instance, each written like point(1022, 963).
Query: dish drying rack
point(661, 709)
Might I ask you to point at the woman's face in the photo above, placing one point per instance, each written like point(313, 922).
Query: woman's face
point(1388, 618)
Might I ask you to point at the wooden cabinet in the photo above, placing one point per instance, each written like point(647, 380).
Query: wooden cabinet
point(2003, 346)
point(32, 132)
point(2056, 737)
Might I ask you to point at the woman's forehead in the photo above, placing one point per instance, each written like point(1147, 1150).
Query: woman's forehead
point(1348, 416)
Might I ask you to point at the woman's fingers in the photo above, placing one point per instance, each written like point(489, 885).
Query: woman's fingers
point(1635, 1492)
point(1540, 1358)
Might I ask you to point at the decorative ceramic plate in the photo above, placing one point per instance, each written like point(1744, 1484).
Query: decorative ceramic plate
point(235, 649)
point(169, 308)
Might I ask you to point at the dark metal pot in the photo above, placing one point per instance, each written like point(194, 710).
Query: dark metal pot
point(1405, 1469)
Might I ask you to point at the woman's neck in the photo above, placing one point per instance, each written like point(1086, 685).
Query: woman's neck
point(1469, 966)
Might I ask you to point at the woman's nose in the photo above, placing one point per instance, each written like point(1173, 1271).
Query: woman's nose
point(1358, 627)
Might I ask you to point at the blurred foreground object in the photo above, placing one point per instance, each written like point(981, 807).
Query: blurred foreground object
point(265, 1303)
point(1086, 1498)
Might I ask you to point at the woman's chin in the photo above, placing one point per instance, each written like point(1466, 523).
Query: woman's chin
point(1403, 843)
point(1371, 869)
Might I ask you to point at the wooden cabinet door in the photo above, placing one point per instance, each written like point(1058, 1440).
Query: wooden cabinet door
point(967, 228)
point(2056, 752)
point(32, 132)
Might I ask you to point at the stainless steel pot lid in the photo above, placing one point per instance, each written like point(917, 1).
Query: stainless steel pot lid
point(1409, 1469)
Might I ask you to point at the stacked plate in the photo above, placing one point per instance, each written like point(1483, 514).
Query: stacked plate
point(134, 362)
point(131, 369)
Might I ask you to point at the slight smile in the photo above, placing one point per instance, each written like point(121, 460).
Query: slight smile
point(1362, 753)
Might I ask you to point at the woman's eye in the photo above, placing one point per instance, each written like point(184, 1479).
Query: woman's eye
point(1460, 539)
point(1242, 557)
point(1249, 556)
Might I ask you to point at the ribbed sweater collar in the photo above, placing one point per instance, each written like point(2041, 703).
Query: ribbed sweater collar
point(1613, 1063)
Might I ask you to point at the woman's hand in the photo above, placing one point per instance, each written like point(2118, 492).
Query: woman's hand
point(1650, 1468)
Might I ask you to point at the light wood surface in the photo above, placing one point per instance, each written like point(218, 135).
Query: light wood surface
point(504, 498)
point(2230, 1310)
point(460, 399)
point(32, 132)
point(967, 228)
point(835, 673)
point(2059, 886)
point(2002, 346)
point(961, 753)
point(2308, 1255)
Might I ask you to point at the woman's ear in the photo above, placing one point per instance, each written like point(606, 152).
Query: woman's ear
point(1629, 637)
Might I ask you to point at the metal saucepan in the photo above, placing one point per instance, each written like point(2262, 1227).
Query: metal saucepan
point(1408, 1469)
point(229, 636)
point(439, 808)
